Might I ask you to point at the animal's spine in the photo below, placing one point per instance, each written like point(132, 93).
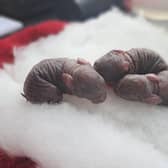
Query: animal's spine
point(146, 61)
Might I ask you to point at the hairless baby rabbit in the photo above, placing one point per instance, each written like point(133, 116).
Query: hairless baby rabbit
point(50, 78)
point(149, 88)
point(117, 63)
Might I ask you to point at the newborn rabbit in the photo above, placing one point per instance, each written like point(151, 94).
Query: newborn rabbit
point(149, 88)
point(117, 63)
point(49, 79)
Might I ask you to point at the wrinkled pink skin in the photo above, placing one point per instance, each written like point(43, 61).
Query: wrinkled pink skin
point(149, 88)
point(163, 86)
point(51, 78)
point(118, 63)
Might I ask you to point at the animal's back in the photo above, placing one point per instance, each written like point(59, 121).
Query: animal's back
point(42, 77)
point(147, 61)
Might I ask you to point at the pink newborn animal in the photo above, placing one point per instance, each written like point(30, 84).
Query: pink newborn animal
point(149, 88)
point(118, 63)
point(49, 79)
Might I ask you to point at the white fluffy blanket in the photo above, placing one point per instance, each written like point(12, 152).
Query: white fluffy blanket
point(77, 133)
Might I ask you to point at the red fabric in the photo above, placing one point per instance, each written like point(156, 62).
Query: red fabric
point(7, 44)
point(7, 161)
point(26, 36)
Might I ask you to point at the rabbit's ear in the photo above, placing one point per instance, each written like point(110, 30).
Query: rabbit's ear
point(82, 61)
point(153, 99)
point(118, 51)
point(68, 80)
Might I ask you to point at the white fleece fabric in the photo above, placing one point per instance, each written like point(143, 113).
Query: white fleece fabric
point(76, 133)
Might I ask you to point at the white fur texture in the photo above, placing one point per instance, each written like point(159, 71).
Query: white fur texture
point(77, 133)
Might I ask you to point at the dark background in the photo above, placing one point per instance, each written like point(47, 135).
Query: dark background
point(33, 11)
